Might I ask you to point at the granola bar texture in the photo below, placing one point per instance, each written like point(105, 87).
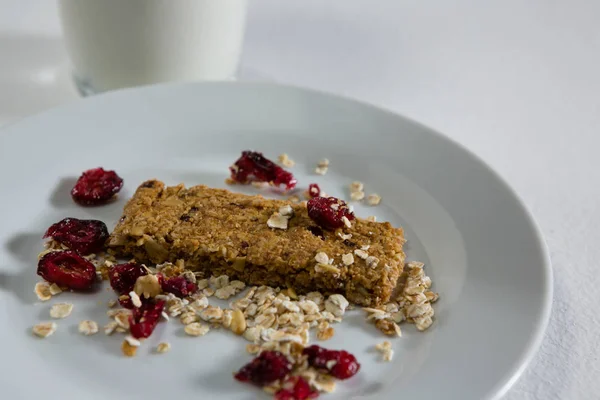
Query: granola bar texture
point(220, 232)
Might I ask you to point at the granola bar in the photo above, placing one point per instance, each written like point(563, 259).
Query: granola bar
point(220, 232)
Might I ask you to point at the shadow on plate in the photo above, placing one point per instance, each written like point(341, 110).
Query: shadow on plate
point(24, 247)
point(61, 195)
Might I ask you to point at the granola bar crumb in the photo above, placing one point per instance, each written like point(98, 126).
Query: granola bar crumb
point(252, 348)
point(196, 329)
point(110, 328)
point(285, 160)
point(55, 289)
point(321, 170)
point(163, 347)
point(61, 310)
point(373, 199)
point(127, 349)
point(356, 186)
point(44, 329)
point(385, 348)
point(357, 196)
point(88, 327)
point(42, 291)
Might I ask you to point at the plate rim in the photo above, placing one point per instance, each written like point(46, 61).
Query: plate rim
point(542, 318)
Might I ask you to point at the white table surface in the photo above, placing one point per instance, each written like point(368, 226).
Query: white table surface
point(517, 82)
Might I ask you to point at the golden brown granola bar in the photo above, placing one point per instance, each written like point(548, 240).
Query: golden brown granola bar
point(220, 232)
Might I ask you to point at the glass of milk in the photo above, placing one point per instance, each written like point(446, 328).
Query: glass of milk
point(122, 43)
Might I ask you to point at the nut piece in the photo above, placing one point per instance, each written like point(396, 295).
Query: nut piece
point(196, 329)
point(327, 268)
point(147, 286)
point(253, 334)
point(42, 291)
point(133, 341)
point(361, 254)
point(285, 160)
point(61, 310)
point(135, 299)
point(44, 329)
point(322, 258)
point(346, 222)
point(238, 322)
point(278, 221)
point(286, 211)
point(348, 259)
point(163, 347)
point(88, 327)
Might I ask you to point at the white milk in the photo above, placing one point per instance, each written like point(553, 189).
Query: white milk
point(122, 43)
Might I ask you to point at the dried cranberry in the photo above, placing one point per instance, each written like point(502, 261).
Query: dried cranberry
point(96, 186)
point(179, 286)
point(328, 212)
point(314, 190)
point(144, 319)
point(67, 268)
point(264, 369)
point(253, 166)
point(82, 235)
point(123, 276)
point(339, 363)
point(300, 390)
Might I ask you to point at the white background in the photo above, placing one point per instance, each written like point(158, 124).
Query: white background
point(517, 82)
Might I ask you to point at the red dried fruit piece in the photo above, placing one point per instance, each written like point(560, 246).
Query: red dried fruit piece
point(253, 166)
point(145, 318)
point(67, 268)
point(299, 390)
point(264, 369)
point(96, 186)
point(328, 212)
point(123, 276)
point(179, 286)
point(82, 235)
point(339, 363)
point(314, 190)
point(125, 302)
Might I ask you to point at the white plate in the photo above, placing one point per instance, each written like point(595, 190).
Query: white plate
point(480, 245)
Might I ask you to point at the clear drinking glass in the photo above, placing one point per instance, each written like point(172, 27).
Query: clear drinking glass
point(122, 43)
